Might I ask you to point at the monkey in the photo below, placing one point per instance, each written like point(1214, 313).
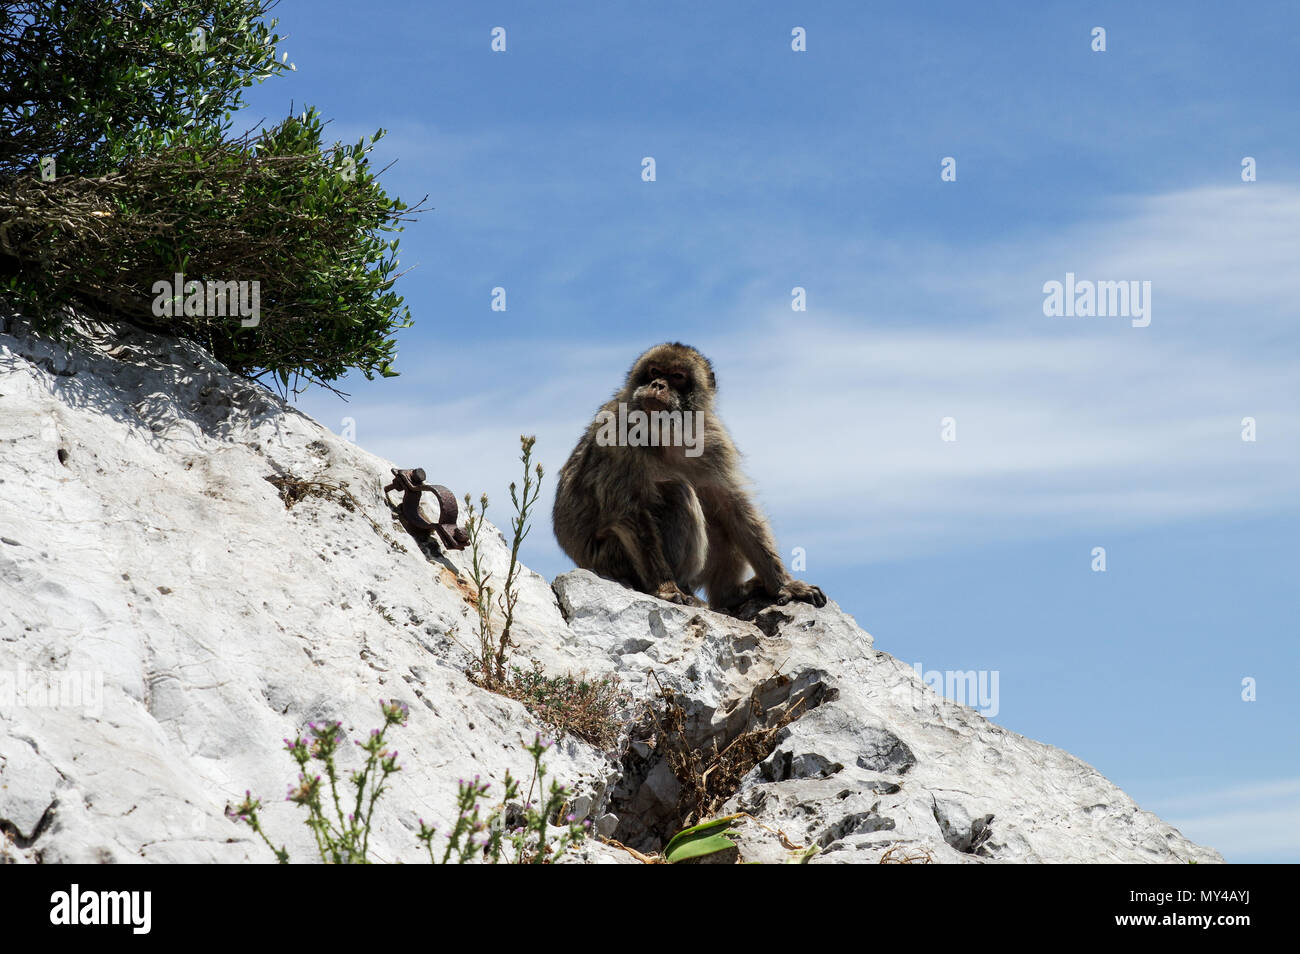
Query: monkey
point(668, 517)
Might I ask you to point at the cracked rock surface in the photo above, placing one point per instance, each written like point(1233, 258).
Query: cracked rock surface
point(147, 563)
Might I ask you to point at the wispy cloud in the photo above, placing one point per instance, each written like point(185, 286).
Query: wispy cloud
point(1060, 424)
point(1246, 823)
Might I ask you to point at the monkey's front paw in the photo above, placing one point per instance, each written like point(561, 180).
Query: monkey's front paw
point(802, 592)
point(673, 594)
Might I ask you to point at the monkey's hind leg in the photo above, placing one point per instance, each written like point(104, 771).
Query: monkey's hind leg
point(685, 540)
point(606, 556)
point(725, 571)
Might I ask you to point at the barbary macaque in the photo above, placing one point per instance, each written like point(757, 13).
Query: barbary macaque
point(662, 506)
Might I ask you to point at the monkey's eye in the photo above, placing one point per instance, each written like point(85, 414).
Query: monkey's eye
point(655, 373)
point(678, 378)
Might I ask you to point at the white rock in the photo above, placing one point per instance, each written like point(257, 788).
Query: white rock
point(875, 758)
point(146, 561)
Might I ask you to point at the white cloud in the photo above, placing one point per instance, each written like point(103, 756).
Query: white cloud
point(1221, 260)
point(1062, 425)
point(1258, 822)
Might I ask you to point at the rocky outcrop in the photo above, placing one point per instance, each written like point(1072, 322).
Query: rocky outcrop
point(864, 758)
point(166, 619)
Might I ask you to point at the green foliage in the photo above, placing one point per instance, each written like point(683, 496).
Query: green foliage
point(706, 838)
point(96, 81)
point(343, 837)
point(149, 186)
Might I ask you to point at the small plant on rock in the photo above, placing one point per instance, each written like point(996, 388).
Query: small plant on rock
point(474, 520)
point(595, 710)
point(707, 842)
point(508, 832)
point(489, 668)
point(341, 837)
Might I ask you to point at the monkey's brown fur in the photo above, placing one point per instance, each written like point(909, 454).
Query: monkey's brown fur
point(662, 521)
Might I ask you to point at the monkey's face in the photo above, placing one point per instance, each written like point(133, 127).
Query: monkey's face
point(660, 389)
point(670, 378)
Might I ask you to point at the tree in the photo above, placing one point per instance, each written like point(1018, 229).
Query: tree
point(133, 103)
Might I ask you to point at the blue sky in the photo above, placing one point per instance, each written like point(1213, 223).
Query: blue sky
point(821, 169)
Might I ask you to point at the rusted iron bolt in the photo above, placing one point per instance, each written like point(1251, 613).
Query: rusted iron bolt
point(411, 483)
